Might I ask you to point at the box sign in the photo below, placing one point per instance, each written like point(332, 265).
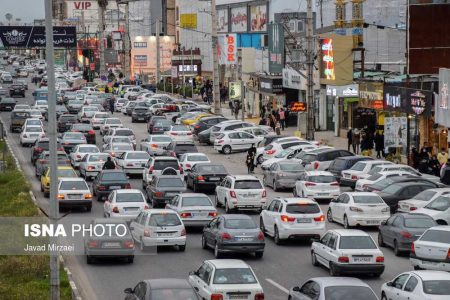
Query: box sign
point(345, 91)
point(188, 21)
point(258, 18)
point(140, 60)
point(276, 48)
point(271, 85)
point(407, 100)
point(140, 45)
point(227, 49)
point(371, 95)
point(34, 36)
point(298, 107)
point(239, 19)
point(292, 79)
point(234, 90)
point(187, 68)
point(441, 108)
point(327, 59)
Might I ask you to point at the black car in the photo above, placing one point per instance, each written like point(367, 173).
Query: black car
point(205, 176)
point(86, 129)
point(382, 184)
point(163, 188)
point(177, 149)
point(109, 180)
point(207, 122)
point(165, 288)
point(140, 113)
point(65, 122)
point(17, 90)
point(153, 121)
point(161, 126)
point(60, 110)
point(7, 104)
point(42, 144)
point(398, 191)
point(344, 163)
point(203, 137)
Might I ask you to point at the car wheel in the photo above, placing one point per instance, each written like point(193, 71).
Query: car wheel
point(262, 227)
point(217, 201)
point(397, 252)
point(195, 188)
point(275, 187)
point(142, 246)
point(259, 254)
point(383, 296)
point(314, 259)
point(226, 149)
point(333, 271)
point(89, 259)
point(276, 237)
point(88, 208)
point(227, 208)
point(182, 248)
point(346, 225)
point(380, 240)
point(329, 216)
point(130, 259)
point(204, 244)
point(260, 159)
point(217, 253)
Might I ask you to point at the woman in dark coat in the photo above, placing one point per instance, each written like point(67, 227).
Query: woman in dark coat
point(379, 144)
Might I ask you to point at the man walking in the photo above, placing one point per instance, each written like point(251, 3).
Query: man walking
point(282, 118)
point(349, 138)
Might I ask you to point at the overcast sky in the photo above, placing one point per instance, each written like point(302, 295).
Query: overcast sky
point(27, 10)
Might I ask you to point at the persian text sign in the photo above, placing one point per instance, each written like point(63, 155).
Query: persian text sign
point(34, 36)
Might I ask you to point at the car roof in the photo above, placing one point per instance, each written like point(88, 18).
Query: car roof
point(361, 194)
point(71, 179)
point(350, 232)
point(236, 216)
point(339, 281)
point(193, 195)
point(441, 228)
point(431, 275)
point(168, 283)
point(244, 177)
point(228, 263)
point(318, 173)
point(164, 158)
point(162, 211)
point(377, 161)
point(408, 183)
point(298, 199)
point(65, 168)
point(126, 191)
point(356, 157)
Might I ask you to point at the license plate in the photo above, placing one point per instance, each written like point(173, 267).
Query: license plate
point(114, 187)
point(164, 234)
point(199, 215)
point(141, 119)
point(364, 259)
point(304, 220)
point(244, 239)
point(237, 297)
point(110, 245)
point(171, 194)
point(322, 194)
point(373, 222)
point(74, 196)
point(214, 178)
point(130, 208)
point(143, 165)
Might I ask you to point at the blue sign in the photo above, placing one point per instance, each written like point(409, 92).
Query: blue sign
point(340, 31)
point(357, 31)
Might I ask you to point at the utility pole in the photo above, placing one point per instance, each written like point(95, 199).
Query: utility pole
point(215, 54)
point(127, 41)
point(158, 54)
point(310, 63)
point(51, 133)
point(101, 30)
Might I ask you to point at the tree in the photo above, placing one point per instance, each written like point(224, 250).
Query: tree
point(8, 17)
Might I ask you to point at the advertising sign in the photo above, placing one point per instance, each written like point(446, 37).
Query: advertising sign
point(140, 60)
point(174, 72)
point(227, 49)
point(298, 107)
point(327, 59)
point(34, 36)
point(188, 21)
point(222, 20)
point(239, 19)
point(258, 18)
point(276, 48)
point(234, 91)
point(395, 132)
point(407, 100)
point(441, 109)
point(371, 95)
point(292, 79)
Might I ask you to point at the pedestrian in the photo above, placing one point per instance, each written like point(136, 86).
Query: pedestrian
point(111, 105)
point(109, 164)
point(349, 138)
point(231, 106)
point(282, 118)
point(435, 166)
point(236, 110)
point(202, 93)
point(442, 156)
point(365, 144)
point(379, 144)
point(445, 173)
point(415, 157)
point(251, 159)
point(273, 121)
point(356, 140)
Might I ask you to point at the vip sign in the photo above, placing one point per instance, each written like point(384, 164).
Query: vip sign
point(82, 5)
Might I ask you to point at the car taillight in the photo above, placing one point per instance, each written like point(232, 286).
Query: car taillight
point(212, 214)
point(159, 194)
point(60, 196)
point(320, 218)
point(270, 152)
point(200, 178)
point(154, 145)
point(93, 244)
point(310, 184)
point(150, 171)
point(287, 219)
point(129, 165)
point(379, 259)
point(25, 135)
point(78, 156)
point(188, 166)
point(146, 207)
point(334, 183)
point(91, 168)
point(183, 232)
point(412, 208)
point(259, 296)
point(128, 244)
point(115, 209)
point(128, 186)
point(216, 297)
point(354, 177)
point(197, 126)
point(357, 209)
point(147, 233)
point(264, 194)
point(101, 188)
point(185, 215)
point(413, 250)
point(189, 133)
point(261, 236)
point(316, 165)
point(43, 161)
point(226, 236)
point(88, 196)
point(181, 169)
point(448, 254)
point(174, 133)
point(405, 234)
point(38, 149)
point(220, 141)
point(343, 259)
point(232, 194)
point(91, 132)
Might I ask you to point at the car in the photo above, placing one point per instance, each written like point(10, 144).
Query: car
point(160, 190)
point(180, 133)
point(193, 208)
point(22, 82)
point(140, 113)
point(78, 153)
point(382, 184)
point(65, 122)
point(41, 105)
point(332, 288)
point(110, 245)
point(400, 167)
point(398, 191)
point(286, 154)
point(358, 209)
point(158, 227)
point(205, 176)
point(110, 123)
point(176, 149)
point(348, 251)
point(277, 146)
point(119, 103)
point(321, 158)
point(205, 123)
point(40, 145)
point(18, 117)
point(33, 122)
point(62, 171)
point(36, 114)
point(116, 149)
point(402, 229)
point(418, 285)
point(98, 119)
point(161, 126)
point(292, 218)
point(117, 139)
point(152, 121)
point(86, 113)
point(188, 160)
point(229, 141)
point(317, 185)
point(283, 175)
point(438, 209)
point(60, 110)
point(362, 184)
point(124, 204)
point(421, 199)
point(7, 104)
point(122, 131)
point(190, 118)
point(74, 192)
point(240, 192)
point(267, 141)
point(431, 250)
point(203, 137)
point(107, 181)
point(164, 288)
point(129, 108)
point(219, 278)
point(42, 163)
point(358, 170)
point(74, 106)
point(6, 78)
point(154, 144)
point(227, 126)
point(156, 166)
point(17, 90)
point(71, 139)
point(132, 162)
point(30, 134)
point(91, 164)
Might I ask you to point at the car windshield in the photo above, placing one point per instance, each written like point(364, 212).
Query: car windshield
point(441, 204)
point(162, 123)
point(66, 173)
point(438, 236)
point(114, 176)
point(129, 197)
point(113, 121)
point(74, 136)
point(33, 129)
point(322, 178)
point(283, 153)
point(197, 158)
point(98, 158)
point(374, 177)
point(356, 242)
point(124, 132)
point(170, 182)
point(436, 287)
point(359, 166)
point(368, 199)
point(196, 201)
point(424, 196)
point(139, 155)
point(88, 150)
point(41, 102)
point(239, 223)
point(101, 116)
point(162, 164)
point(292, 167)
point(34, 122)
point(419, 222)
point(81, 127)
point(90, 109)
point(302, 208)
point(349, 292)
point(73, 185)
point(247, 184)
point(161, 139)
point(164, 219)
point(234, 276)
point(173, 294)
point(122, 147)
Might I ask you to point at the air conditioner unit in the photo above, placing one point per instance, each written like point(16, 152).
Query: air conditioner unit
point(292, 26)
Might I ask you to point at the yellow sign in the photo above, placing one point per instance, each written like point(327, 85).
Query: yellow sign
point(188, 21)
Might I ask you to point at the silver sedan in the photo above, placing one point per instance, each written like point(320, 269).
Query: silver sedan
point(194, 209)
point(283, 175)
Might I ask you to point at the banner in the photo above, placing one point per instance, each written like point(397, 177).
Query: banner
point(258, 18)
point(34, 37)
point(395, 132)
point(239, 19)
point(276, 48)
point(441, 108)
point(222, 20)
point(407, 100)
point(234, 91)
point(327, 59)
point(188, 21)
point(227, 49)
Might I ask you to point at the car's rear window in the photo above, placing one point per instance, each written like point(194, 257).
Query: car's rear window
point(43, 145)
point(73, 185)
point(247, 184)
point(197, 158)
point(88, 150)
point(234, 276)
point(159, 220)
point(74, 135)
point(122, 147)
point(66, 173)
point(185, 148)
point(368, 199)
point(129, 197)
point(98, 158)
point(217, 169)
point(356, 242)
point(82, 127)
point(302, 208)
point(359, 166)
point(170, 182)
point(173, 294)
point(419, 222)
point(114, 176)
point(291, 167)
point(349, 292)
point(67, 118)
point(161, 139)
point(162, 164)
point(240, 224)
point(437, 287)
point(438, 236)
point(321, 178)
point(196, 201)
point(138, 156)
point(124, 132)
point(33, 129)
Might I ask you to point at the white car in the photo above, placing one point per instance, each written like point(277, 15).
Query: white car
point(229, 141)
point(110, 123)
point(348, 251)
point(122, 131)
point(124, 204)
point(154, 144)
point(358, 208)
point(36, 114)
point(22, 107)
point(431, 250)
point(30, 134)
point(260, 150)
point(124, 107)
point(79, 152)
point(86, 113)
point(41, 105)
point(438, 209)
point(33, 122)
point(155, 107)
point(180, 133)
point(119, 104)
point(287, 218)
point(359, 170)
point(132, 162)
point(361, 184)
point(74, 192)
point(92, 164)
point(279, 145)
point(317, 185)
point(116, 149)
point(156, 165)
point(158, 227)
point(188, 160)
point(220, 278)
point(194, 209)
point(98, 119)
point(421, 199)
point(286, 154)
point(261, 130)
point(418, 285)
point(241, 192)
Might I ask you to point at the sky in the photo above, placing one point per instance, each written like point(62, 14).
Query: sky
point(27, 10)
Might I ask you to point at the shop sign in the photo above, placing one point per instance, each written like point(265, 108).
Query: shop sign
point(441, 113)
point(345, 91)
point(292, 79)
point(227, 49)
point(407, 100)
point(234, 91)
point(276, 48)
point(395, 132)
point(298, 107)
point(239, 19)
point(174, 72)
point(140, 60)
point(418, 102)
point(394, 98)
point(327, 59)
point(371, 95)
point(188, 21)
point(271, 85)
point(258, 18)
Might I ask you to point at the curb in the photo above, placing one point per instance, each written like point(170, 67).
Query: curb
point(75, 292)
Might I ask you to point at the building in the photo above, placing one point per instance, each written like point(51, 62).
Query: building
point(144, 13)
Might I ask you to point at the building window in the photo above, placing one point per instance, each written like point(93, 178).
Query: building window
point(177, 13)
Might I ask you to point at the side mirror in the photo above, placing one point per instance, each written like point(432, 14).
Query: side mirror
point(296, 289)
point(383, 222)
point(131, 227)
point(192, 273)
point(264, 207)
point(315, 240)
point(389, 283)
point(128, 291)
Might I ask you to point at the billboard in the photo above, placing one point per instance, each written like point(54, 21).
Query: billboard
point(335, 59)
point(140, 60)
point(327, 59)
point(227, 49)
point(441, 108)
point(239, 19)
point(222, 20)
point(188, 21)
point(258, 17)
point(395, 132)
point(276, 48)
point(429, 42)
point(234, 90)
point(34, 37)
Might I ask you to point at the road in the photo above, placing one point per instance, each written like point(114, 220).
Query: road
point(281, 267)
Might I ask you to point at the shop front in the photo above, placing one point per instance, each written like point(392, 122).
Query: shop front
point(342, 100)
point(264, 94)
point(370, 107)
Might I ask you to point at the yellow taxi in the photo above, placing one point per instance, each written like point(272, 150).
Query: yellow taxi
point(63, 171)
point(195, 118)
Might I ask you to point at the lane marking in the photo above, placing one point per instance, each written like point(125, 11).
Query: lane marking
point(278, 286)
